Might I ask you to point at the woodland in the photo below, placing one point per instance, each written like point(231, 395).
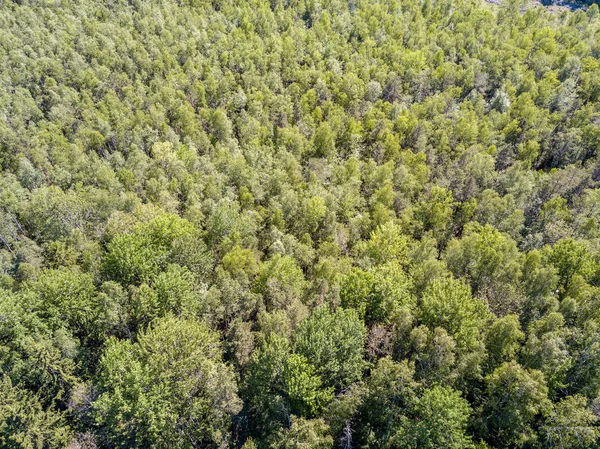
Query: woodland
point(299, 224)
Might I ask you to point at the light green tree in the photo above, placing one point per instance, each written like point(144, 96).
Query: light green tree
point(448, 303)
point(516, 397)
point(170, 388)
point(439, 418)
point(334, 344)
point(571, 424)
point(139, 255)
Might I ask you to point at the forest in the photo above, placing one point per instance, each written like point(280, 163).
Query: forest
point(299, 224)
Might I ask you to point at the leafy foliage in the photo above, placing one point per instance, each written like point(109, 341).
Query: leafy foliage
point(318, 224)
point(170, 388)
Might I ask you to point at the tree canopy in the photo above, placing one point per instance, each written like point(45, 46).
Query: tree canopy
point(299, 224)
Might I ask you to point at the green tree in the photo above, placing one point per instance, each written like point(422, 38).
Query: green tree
point(379, 293)
point(516, 397)
point(448, 303)
point(35, 356)
point(434, 354)
point(304, 434)
point(390, 392)
point(334, 344)
point(303, 387)
point(26, 424)
point(138, 256)
point(240, 262)
point(386, 244)
point(281, 282)
point(280, 384)
point(439, 419)
point(489, 260)
point(502, 340)
point(570, 258)
point(571, 424)
point(546, 349)
point(435, 214)
point(66, 296)
point(170, 388)
point(173, 291)
point(324, 141)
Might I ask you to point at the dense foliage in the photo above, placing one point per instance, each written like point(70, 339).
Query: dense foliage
point(299, 224)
